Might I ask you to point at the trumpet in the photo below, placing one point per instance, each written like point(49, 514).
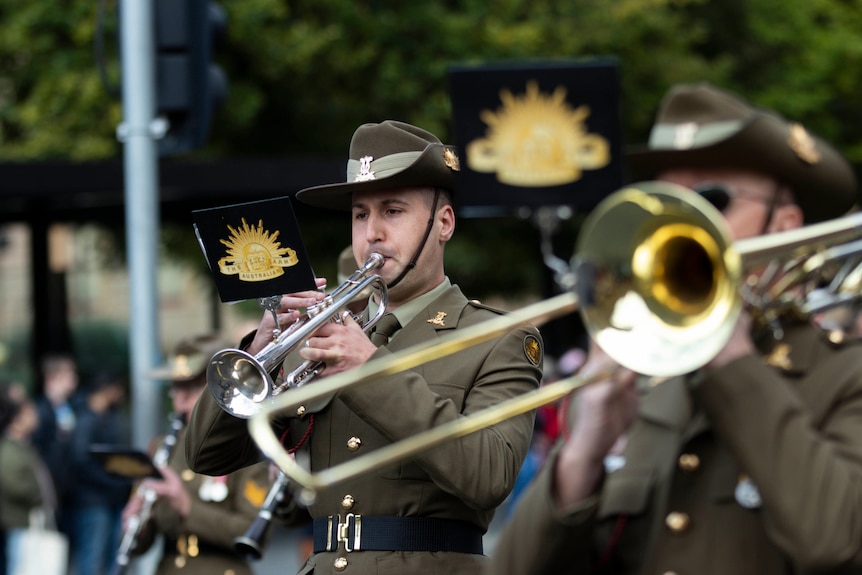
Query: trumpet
point(241, 383)
point(659, 286)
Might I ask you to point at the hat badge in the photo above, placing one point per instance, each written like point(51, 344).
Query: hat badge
point(683, 137)
point(450, 158)
point(365, 174)
point(181, 366)
point(802, 144)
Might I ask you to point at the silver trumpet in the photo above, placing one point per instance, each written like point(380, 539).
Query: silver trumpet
point(241, 383)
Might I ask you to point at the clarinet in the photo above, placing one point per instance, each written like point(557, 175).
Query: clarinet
point(250, 544)
point(136, 523)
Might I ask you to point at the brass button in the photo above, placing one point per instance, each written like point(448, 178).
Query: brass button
point(689, 462)
point(354, 443)
point(677, 521)
point(187, 475)
point(300, 411)
point(347, 502)
point(340, 564)
point(193, 548)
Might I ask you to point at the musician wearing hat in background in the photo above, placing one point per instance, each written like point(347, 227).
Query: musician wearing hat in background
point(751, 465)
point(428, 514)
point(198, 515)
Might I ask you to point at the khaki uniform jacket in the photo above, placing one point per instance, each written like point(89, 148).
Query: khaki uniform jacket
point(202, 542)
point(765, 478)
point(464, 479)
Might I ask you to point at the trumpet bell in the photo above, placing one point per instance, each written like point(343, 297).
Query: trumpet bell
point(238, 382)
point(657, 282)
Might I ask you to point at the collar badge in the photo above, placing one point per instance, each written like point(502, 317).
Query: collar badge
point(780, 357)
point(438, 319)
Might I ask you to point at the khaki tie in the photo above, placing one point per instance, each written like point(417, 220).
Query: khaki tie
point(384, 328)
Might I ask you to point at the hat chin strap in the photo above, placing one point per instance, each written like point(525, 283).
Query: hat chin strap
point(415, 257)
point(771, 211)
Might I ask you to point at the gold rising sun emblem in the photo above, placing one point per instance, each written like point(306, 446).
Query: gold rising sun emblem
point(537, 140)
point(254, 255)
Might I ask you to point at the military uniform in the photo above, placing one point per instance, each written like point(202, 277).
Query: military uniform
point(755, 469)
point(451, 490)
point(222, 509)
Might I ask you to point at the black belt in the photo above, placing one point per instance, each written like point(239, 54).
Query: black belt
point(369, 533)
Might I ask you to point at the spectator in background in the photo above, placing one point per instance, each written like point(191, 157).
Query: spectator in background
point(25, 484)
point(56, 423)
point(96, 504)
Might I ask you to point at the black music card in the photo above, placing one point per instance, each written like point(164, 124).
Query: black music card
point(254, 249)
point(125, 462)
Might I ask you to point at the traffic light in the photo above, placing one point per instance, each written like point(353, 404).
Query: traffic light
point(189, 86)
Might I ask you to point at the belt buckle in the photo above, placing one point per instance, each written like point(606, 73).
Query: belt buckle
point(342, 532)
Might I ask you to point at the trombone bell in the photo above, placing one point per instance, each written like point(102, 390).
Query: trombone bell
point(656, 278)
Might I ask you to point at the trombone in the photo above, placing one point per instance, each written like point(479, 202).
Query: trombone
point(659, 285)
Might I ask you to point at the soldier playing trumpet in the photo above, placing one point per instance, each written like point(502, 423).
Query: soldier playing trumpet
point(422, 516)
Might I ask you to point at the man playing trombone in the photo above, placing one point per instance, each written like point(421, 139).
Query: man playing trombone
point(750, 465)
point(428, 514)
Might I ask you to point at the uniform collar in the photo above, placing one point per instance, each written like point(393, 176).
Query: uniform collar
point(668, 404)
point(411, 309)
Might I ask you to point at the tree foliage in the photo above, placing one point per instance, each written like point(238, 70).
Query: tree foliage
point(304, 73)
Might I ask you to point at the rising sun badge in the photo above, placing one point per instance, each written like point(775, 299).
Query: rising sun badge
point(537, 140)
point(254, 255)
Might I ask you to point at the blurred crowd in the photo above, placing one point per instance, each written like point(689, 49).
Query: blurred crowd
point(47, 471)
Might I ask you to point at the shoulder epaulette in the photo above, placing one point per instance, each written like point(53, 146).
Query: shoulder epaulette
point(476, 303)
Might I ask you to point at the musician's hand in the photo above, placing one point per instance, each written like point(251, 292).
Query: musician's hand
point(604, 412)
point(133, 507)
point(172, 490)
point(339, 346)
point(739, 345)
point(288, 312)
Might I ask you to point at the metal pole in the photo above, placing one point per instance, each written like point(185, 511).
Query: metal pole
point(138, 133)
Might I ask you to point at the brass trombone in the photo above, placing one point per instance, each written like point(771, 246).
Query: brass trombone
point(241, 383)
point(659, 285)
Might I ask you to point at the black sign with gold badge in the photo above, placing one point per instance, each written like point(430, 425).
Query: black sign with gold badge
point(254, 250)
point(537, 133)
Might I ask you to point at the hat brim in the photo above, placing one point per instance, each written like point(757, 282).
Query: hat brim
point(168, 373)
point(428, 170)
point(823, 190)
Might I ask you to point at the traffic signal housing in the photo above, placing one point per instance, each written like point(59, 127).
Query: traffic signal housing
point(189, 85)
